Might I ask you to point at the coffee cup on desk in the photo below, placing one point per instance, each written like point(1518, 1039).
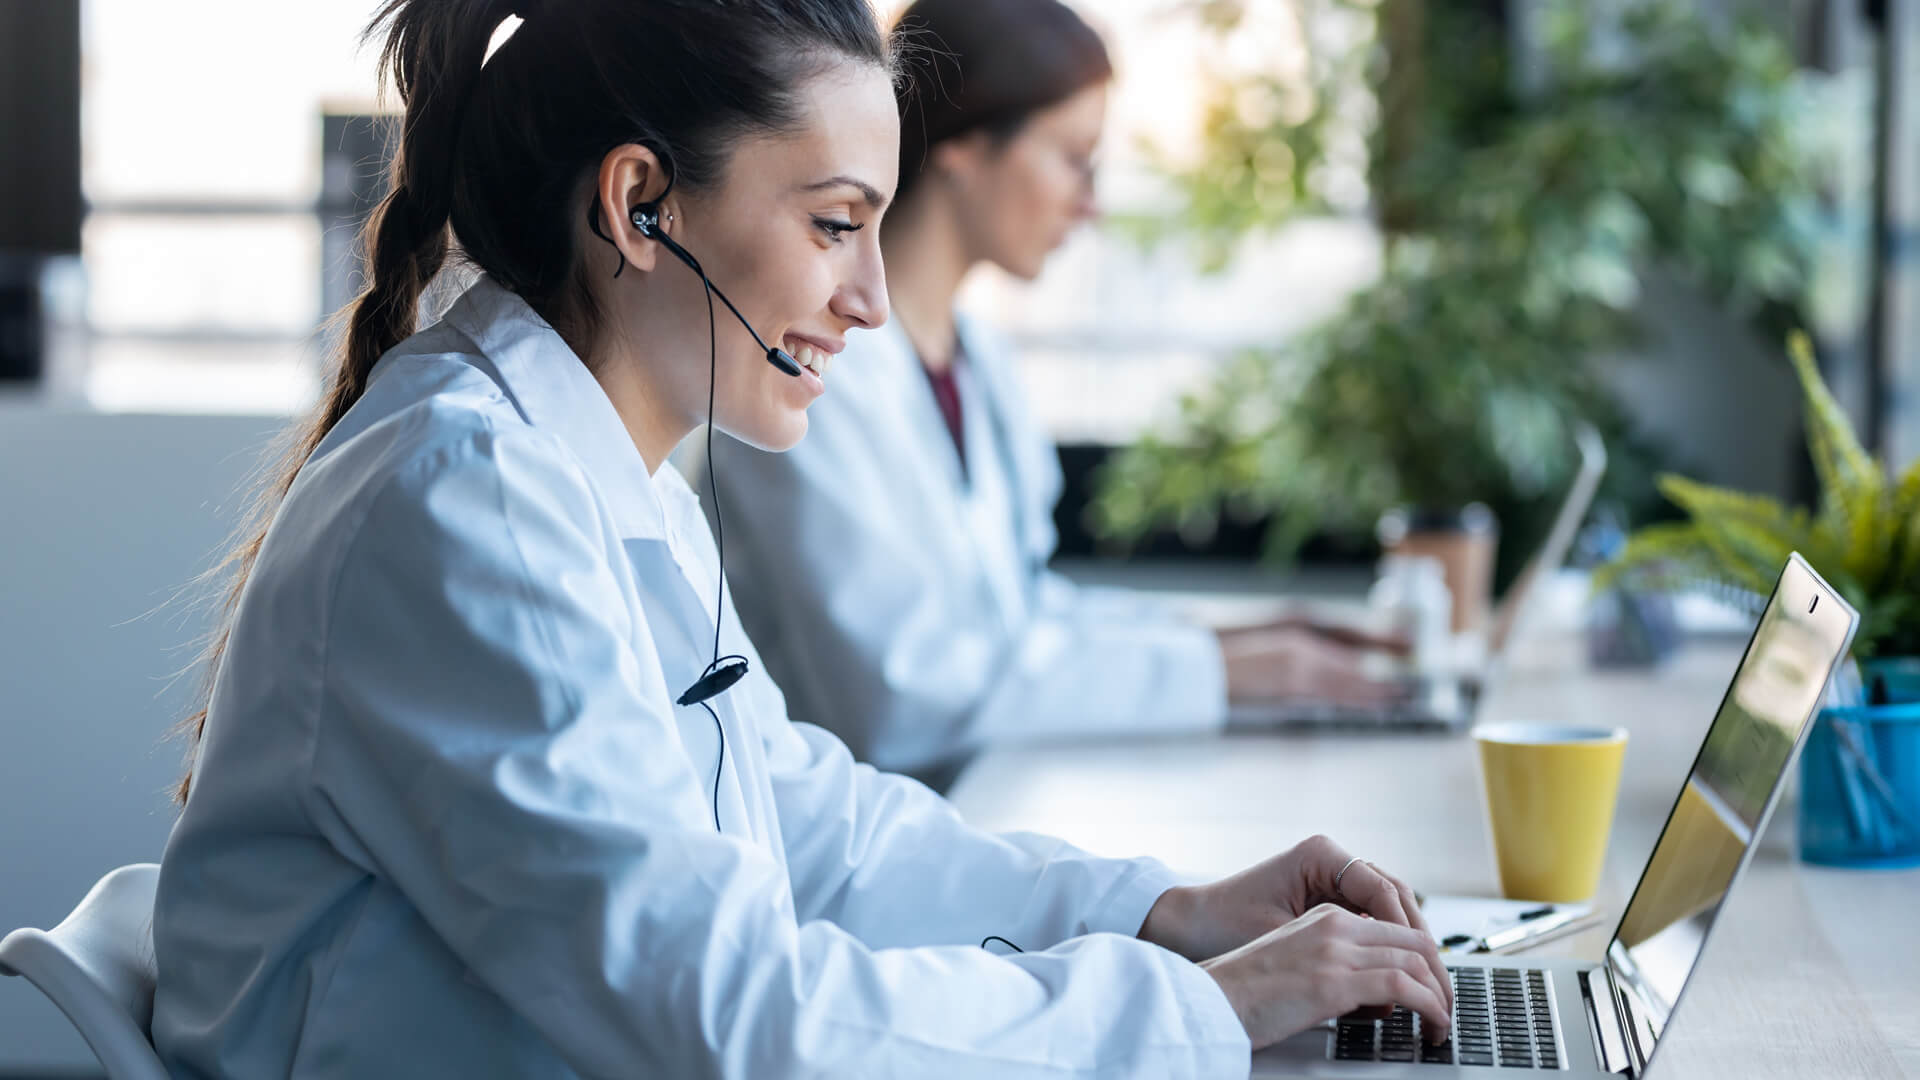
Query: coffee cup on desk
point(1550, 793)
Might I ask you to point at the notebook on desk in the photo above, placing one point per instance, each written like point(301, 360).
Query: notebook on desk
point(1479, 924)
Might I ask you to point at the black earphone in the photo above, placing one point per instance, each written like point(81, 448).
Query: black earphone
point(722, 671)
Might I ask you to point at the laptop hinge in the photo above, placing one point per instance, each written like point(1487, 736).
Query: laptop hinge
point(1603, 1021)
point(1631, 1023)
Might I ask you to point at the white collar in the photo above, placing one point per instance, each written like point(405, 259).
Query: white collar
point(553, 389)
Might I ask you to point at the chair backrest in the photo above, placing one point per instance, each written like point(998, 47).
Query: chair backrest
point(97, 966)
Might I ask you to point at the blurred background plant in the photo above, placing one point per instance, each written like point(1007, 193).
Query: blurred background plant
point(1519, 212)
point(1863, 536)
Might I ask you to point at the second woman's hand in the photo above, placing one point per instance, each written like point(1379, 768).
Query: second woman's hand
point(1292, 663)
point(1353, 633)
point(1325, 964)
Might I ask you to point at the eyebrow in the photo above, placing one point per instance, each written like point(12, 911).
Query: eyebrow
point(867, 191)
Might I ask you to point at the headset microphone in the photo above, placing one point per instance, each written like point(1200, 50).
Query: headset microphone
point(714, 682)
point(646, 221)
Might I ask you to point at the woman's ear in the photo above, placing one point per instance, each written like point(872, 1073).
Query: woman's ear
point(961, 158)
point(630, 175)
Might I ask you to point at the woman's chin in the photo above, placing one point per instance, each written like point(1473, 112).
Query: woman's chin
point(1026, 266)
point(776, 435)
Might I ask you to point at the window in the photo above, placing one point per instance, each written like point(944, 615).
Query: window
point(203, 253)
point(201, 151)
point(1110, 336)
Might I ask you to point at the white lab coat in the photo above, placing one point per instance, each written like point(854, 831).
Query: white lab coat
point(905, 603)
point(447, 820)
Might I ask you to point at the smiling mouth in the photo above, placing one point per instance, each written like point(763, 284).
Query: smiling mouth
point(807, 356)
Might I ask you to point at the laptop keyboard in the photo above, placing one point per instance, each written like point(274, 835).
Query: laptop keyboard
point(1500, 1017)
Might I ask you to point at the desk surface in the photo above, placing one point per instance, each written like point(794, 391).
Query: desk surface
point(1811, 972)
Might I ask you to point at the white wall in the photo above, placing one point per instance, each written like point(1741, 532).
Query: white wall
point(102, 518)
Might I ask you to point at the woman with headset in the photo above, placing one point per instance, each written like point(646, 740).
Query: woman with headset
point(927, 624)
point(490, 783)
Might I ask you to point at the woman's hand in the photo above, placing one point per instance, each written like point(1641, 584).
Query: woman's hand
point(1280, 663)
point(1392, 642)
point(1328, 963)
point(1202, 921)
point(1307, 935)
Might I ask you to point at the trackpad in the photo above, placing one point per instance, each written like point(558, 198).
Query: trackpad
point(1310, 1047)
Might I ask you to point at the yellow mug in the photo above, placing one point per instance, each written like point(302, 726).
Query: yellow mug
point(1550, 793)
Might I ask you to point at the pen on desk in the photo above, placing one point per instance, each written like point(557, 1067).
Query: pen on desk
point(1535, 923)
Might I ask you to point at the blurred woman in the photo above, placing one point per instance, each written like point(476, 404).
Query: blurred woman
point(896, 576)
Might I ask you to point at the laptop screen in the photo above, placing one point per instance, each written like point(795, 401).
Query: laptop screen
point(1801, 636)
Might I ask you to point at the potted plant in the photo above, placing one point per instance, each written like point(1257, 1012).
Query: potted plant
point(1863, 537)
point(1515, 223)
point(1860, 771)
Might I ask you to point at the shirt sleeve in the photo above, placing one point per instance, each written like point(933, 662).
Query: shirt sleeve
point(894, 863)
point(496, 741)
point(890, 646)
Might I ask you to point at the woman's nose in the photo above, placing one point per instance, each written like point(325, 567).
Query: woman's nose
point(862, 300)
point(1086, 205)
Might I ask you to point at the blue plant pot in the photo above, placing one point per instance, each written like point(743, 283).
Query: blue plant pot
point(1860, 787)
point(1891, 680)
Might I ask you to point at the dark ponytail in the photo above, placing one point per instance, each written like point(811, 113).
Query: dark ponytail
point(432, 58)
point(493, 152)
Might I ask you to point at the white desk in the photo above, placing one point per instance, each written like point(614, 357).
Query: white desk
point(1811, 973)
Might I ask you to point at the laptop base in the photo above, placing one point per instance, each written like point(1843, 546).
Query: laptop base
point(1312, 1053)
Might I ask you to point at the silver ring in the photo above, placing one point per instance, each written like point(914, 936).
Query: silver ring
point(1342, 874)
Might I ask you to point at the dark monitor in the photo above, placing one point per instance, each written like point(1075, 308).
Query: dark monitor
point(40, 199)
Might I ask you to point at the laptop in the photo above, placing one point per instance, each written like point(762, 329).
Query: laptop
point(1448, 703)
point(1582, 1018)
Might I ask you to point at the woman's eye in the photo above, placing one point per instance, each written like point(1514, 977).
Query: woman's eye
point(835, 230)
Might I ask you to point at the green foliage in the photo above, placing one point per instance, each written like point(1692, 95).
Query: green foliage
point(1272, 145)
point(1516, 228)
point(1864, 539)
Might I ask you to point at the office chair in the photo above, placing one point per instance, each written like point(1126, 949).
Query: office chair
point(97, 965)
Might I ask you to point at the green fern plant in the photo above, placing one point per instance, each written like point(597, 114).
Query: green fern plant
point(1864, 536)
